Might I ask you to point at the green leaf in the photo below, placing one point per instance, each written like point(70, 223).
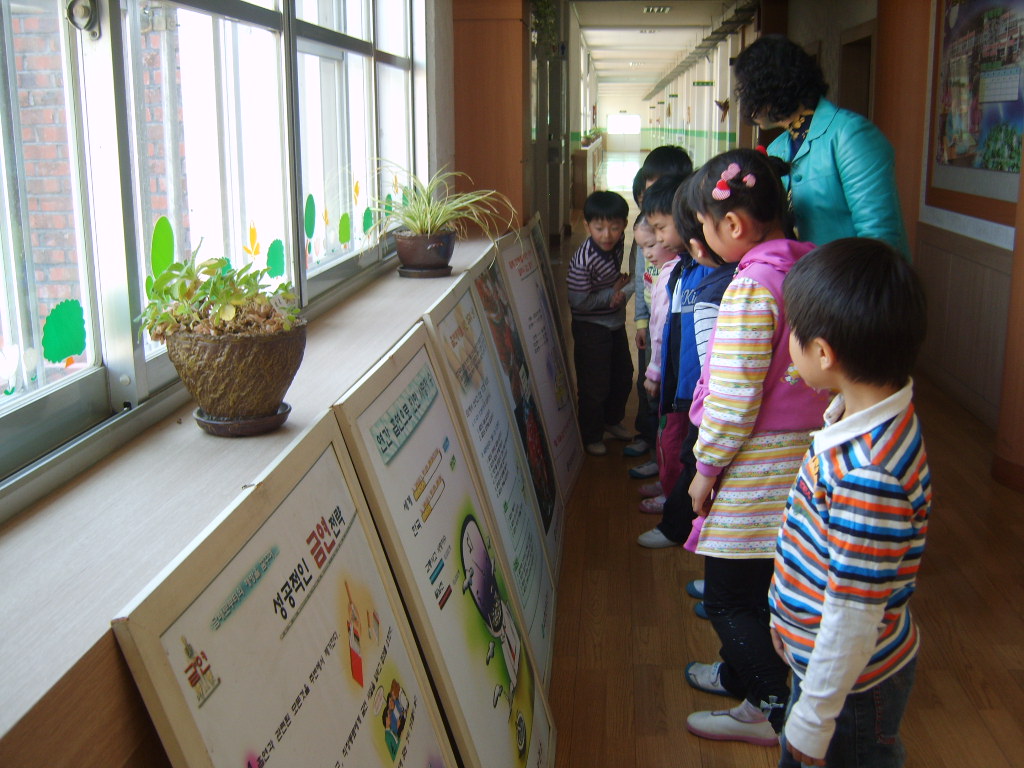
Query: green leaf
point(64, 331)
point(310, 216)
point(345, 228)
point(367, 220)
point(162, 253)
point(275, 259)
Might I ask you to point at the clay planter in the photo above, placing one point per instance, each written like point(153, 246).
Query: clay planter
point(238, 380)
point(425, 255)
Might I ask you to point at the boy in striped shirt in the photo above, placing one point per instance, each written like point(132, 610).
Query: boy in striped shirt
point(598, 291)
point(854, 528)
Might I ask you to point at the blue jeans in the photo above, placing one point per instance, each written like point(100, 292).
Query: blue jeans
point(868, 727)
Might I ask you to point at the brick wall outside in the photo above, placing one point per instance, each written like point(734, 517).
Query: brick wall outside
point(47, 173)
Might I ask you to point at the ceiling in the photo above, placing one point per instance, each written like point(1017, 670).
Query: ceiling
point(632, 50)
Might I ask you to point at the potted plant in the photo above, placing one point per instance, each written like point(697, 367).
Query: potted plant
point(427, 217)
point(235, 342)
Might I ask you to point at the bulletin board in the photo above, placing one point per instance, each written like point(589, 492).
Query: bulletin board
point(977, 120)
point(472, 372)
point(535, 316)
point(279, 639)
point(495, 307)
point(420, 480)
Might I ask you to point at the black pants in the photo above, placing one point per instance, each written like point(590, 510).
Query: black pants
point(646, 422)
point(604, 376)
point(677, 514)
point(736, 599)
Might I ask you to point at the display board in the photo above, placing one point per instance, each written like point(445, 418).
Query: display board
point(536, 320)
point(472, 373)
point(536, 239)
point(492, 300)
point(420, 480)
point(279, 639)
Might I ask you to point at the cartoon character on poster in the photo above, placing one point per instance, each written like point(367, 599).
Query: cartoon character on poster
point(393, 715)
point(481, 582)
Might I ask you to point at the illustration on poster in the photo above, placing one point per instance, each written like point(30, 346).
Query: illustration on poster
point(482, 585)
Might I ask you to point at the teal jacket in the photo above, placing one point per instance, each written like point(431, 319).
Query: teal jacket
point(842, 180)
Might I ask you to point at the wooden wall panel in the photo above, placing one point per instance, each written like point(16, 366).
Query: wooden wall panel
point(93, 716)
point(901, 95)
point(968, 288)
point(491, 96)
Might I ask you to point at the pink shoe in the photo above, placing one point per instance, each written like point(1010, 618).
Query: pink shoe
point(648, 490)
point(653, 506)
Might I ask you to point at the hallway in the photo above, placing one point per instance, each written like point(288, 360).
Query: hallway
point(625, 629)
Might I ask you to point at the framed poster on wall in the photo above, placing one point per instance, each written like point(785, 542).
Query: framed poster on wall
point(471, 369)
point(537, 324)
point(420, 480)
point(495, 307)
point(279, 637)
point(977, 120)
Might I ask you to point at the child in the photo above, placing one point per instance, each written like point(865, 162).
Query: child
point(661, 161)
point(664, 259)
point(674, 367)
point(598, 292)
point(676, 516)
point(645, 275)
point(854, 527)
point(755, 417)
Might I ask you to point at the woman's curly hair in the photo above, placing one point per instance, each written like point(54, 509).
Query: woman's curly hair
point(775, 77)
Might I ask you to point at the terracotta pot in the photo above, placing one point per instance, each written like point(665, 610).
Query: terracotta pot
point(238, 377)
point(424, 255)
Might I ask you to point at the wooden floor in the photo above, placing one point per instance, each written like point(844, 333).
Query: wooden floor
point(625, 629)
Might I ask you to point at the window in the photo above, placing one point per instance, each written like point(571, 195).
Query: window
point(204, 122)
point(623, 124)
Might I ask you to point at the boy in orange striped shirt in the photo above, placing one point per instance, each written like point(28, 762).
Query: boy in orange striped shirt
point(854, 528)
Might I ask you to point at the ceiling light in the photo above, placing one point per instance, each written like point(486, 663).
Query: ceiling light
point(657, 8)
point(648, 31)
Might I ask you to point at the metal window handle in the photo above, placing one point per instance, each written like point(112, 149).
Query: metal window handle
point(84, 16)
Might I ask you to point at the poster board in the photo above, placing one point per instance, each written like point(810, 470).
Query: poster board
point(495, 307)
point(471, 371)
point(536, 239)
point(278, 638)
point(420, 482)
point(977, 117)
point(536, 320)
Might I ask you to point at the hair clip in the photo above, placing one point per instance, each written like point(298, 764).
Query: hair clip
point(722, 190)
point(760, 148)
point(750, 179)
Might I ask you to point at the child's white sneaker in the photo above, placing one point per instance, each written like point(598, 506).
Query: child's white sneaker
point(744, 722)
point(618, 431)
point(706, 677)
point(596, 449)
point(655, 539)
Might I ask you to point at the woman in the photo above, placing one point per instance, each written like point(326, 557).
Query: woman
point(841, 182)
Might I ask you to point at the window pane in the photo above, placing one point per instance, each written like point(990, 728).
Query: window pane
point(46, 315)
point(210, 138)
point(393, 26)
point(335, 138)
point(394, 115)
point(351, 17)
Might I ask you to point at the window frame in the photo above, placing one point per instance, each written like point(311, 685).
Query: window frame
point(65, 429)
